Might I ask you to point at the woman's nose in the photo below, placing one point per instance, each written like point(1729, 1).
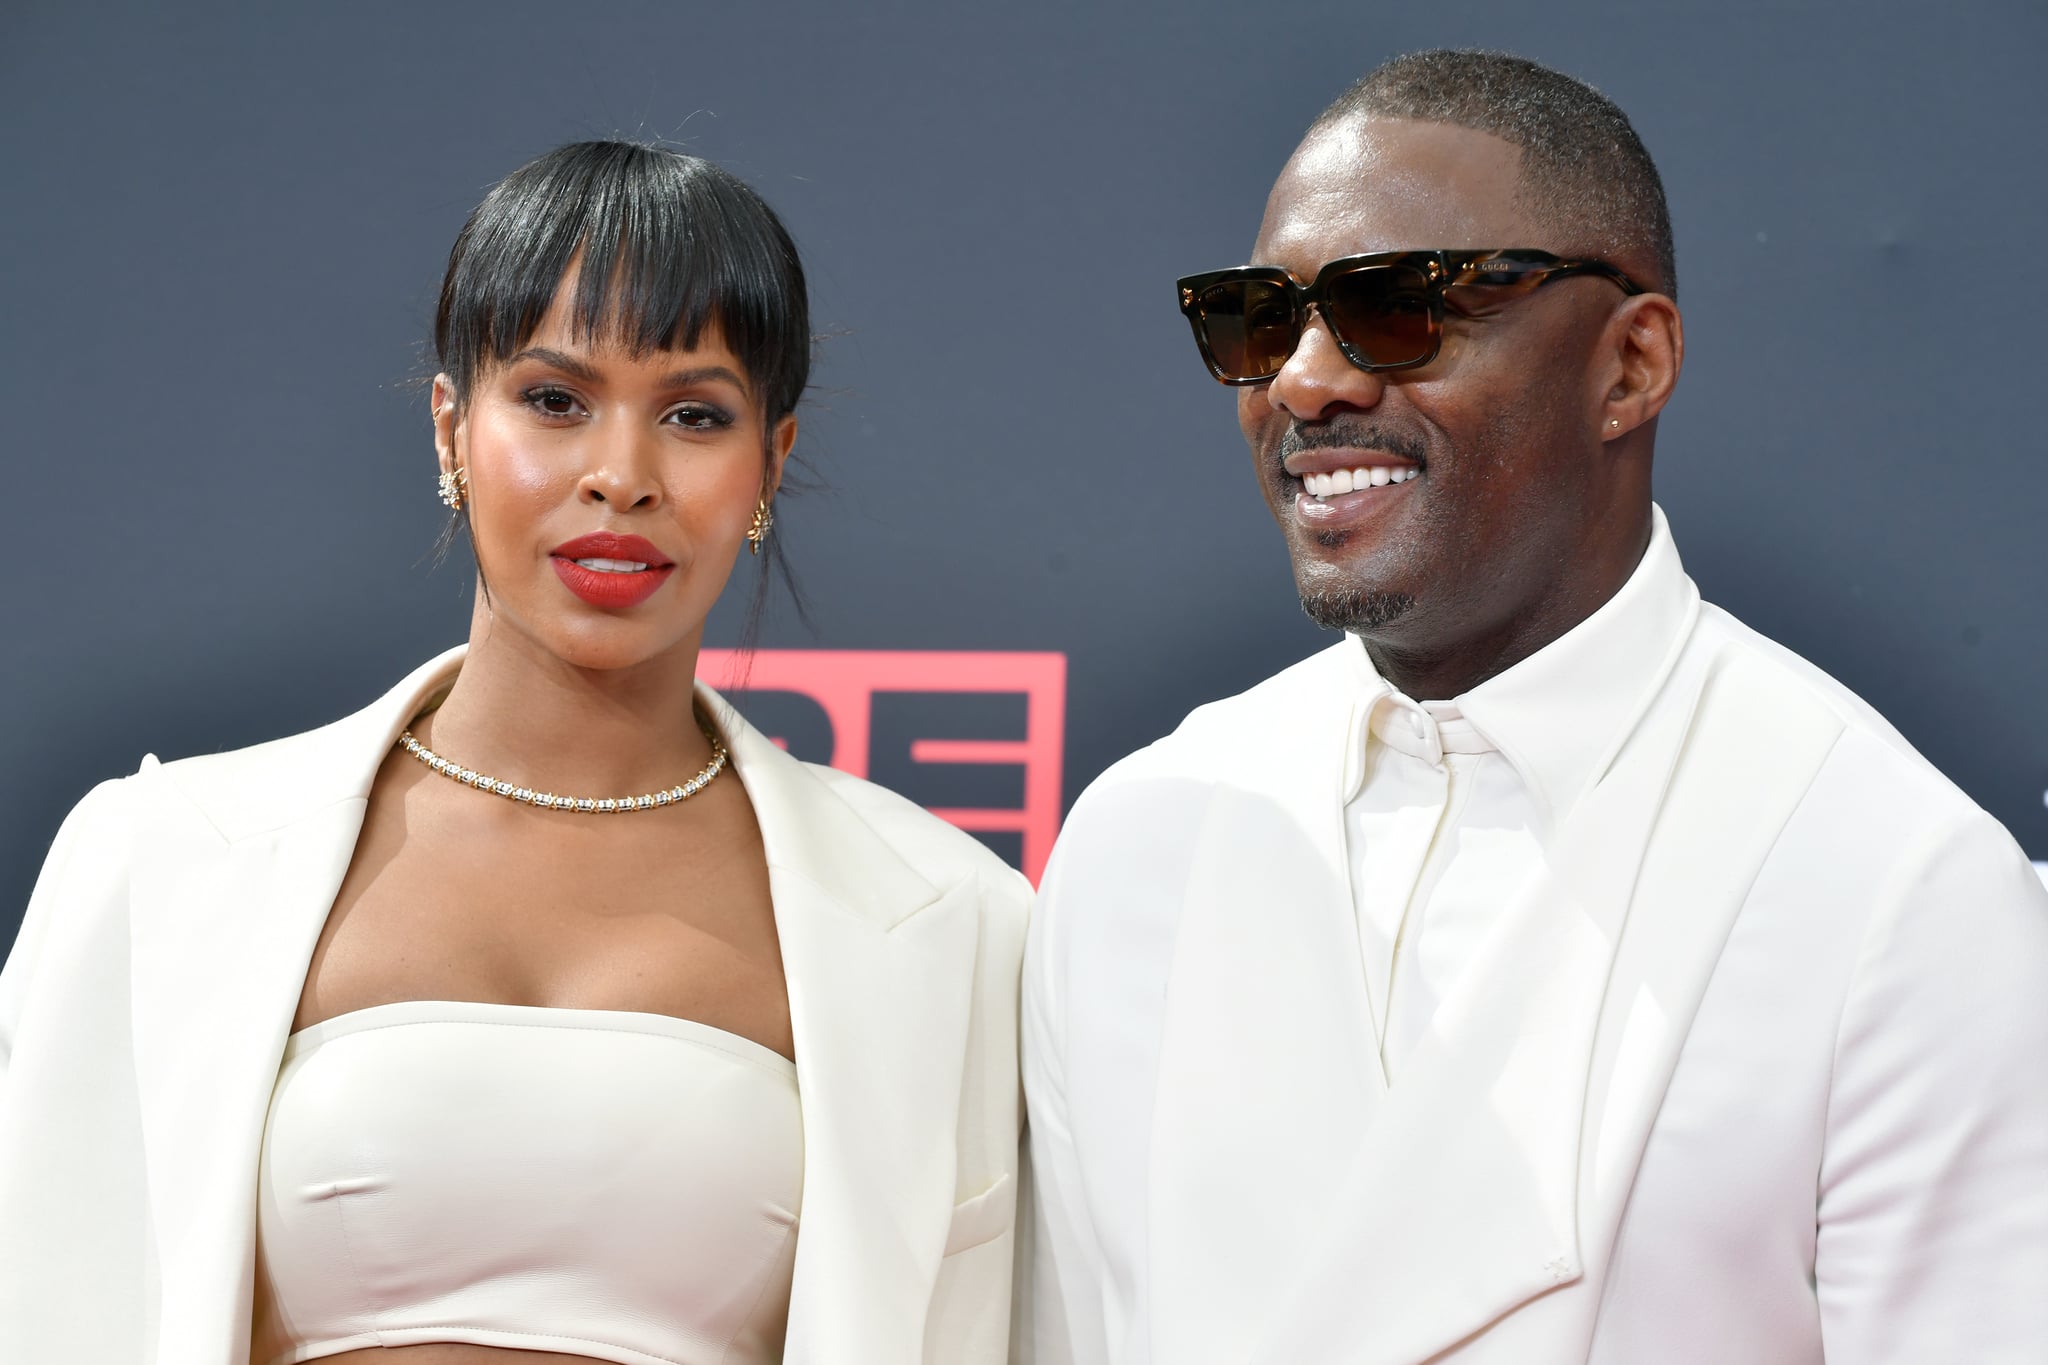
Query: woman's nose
point(622, 471)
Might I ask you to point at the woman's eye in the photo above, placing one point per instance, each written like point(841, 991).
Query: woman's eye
point(701, 417)
point(550, 402)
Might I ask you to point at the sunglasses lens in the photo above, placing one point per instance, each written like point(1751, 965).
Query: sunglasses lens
point(1247, 327)
point(1382, 312)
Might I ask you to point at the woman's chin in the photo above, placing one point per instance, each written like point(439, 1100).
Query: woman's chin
point(602, 645)
point(617, 650)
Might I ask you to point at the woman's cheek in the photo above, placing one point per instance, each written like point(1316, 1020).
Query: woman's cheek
point(518, 485)
point(716, 499)
point(534, 469)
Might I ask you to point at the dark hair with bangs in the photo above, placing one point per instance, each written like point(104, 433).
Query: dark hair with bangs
point(665, 245)
point(668, 243)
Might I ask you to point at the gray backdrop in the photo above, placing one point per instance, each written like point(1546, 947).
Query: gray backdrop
point(223, 230)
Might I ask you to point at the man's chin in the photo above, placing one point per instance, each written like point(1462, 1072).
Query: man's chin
point(1357, 610)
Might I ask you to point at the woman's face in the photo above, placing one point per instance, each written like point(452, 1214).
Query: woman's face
point(608, 494)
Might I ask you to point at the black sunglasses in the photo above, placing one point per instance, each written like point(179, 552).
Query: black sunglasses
point(1386, 309)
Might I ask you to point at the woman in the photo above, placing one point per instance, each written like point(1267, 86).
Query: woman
point(650, 1040)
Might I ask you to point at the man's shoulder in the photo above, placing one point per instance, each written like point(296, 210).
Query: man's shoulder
point(1888, 767)
point(1219, 736)
point(1157, 798)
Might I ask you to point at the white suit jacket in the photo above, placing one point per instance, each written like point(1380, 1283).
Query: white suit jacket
point(145, 1008)
point(1756, 1073)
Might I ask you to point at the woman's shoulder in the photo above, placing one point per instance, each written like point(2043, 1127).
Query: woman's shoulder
point(275, 782)
point(942, 853)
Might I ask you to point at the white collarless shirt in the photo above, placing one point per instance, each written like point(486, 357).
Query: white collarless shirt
point(1451, 805)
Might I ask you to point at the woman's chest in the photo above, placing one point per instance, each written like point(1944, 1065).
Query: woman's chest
point(663, 918)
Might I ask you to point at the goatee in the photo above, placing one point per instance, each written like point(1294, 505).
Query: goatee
point(1355, 609)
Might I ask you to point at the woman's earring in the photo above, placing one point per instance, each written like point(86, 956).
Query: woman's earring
point(454, 482)
point(764, 518)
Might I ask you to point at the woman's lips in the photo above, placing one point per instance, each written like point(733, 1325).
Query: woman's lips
point(611, 571)
point(610, 588)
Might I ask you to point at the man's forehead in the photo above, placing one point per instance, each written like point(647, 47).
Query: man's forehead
point(1371, 184)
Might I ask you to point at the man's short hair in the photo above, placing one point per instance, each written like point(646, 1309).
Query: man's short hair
point(1583, 167)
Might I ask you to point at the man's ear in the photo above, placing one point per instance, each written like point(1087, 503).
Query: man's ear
point(1646, 345)
point(443, 412)
point(781, 441)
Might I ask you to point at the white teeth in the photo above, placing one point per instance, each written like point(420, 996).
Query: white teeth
point(1352, 480)
point(610, 565)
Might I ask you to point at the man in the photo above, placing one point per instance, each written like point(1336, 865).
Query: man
point(1553, 970)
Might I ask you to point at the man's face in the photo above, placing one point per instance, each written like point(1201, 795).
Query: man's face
point(1494, 445)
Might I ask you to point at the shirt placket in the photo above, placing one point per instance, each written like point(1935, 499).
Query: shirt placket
point(1395, 1039)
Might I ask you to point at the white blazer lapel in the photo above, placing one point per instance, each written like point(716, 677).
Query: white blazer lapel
point(1496, 1182)
point(1758, 741)
point(235, 874)
point(1269, 1070)
point(221, 947)
point(880, 972)
point(1461, 1203)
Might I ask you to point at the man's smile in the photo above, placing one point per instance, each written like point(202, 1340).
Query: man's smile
point(1346, 480)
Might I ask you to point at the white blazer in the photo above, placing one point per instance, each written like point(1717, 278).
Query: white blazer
point(1752, 1075)
point(144, 1011)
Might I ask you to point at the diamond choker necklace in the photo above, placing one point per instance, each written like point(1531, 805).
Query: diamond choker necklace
point(582, 805)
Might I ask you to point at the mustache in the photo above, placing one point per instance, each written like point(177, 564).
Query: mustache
point(1349, 432)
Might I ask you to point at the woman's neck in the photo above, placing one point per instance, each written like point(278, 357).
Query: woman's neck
point(525, 715)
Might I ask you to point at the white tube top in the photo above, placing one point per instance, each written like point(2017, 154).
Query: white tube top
point(591, 1182)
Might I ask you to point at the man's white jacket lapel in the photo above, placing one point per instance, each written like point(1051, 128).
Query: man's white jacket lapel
point(220, 872)
point(1492, 1178)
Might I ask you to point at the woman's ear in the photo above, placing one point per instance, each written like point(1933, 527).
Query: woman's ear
point(781, 440)
point(443, 412)
point(1648, 340)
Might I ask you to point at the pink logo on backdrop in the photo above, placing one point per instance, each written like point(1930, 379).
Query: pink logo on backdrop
point(843, 682)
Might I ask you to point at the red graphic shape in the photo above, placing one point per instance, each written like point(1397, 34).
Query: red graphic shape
point(843, 683)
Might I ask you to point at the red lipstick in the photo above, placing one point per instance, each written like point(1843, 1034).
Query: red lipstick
point(611, 586)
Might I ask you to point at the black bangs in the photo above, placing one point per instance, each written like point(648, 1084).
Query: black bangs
point(664, 243)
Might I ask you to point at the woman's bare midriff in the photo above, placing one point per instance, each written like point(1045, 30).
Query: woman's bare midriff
point(451, 1353)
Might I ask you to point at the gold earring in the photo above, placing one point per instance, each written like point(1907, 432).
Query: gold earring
point(764, 517)
point(454, 482)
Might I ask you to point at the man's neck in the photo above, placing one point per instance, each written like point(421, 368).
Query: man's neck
point(1437, 666)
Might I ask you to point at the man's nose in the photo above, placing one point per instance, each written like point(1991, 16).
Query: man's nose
point(1318, 377)
point(623, 464)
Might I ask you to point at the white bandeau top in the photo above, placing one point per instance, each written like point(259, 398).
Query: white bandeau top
point(595, 1183)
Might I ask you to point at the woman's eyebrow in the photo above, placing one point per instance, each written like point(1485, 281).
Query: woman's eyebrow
point(585, 371)
point(568, 364)
point(679, 379)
